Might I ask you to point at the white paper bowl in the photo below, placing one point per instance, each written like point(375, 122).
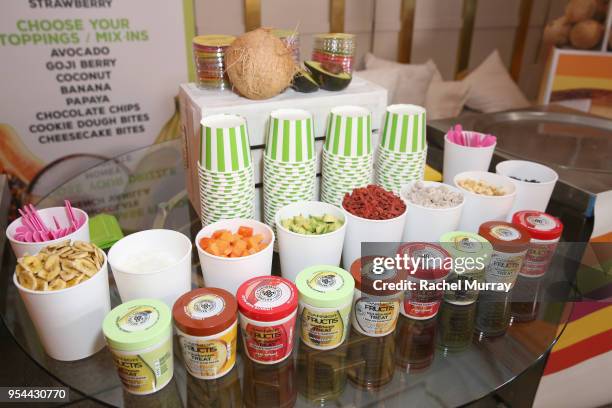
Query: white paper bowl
point(529, 196)
point(425, 224)
point(480, 208)
point(299, 251)
point(230, 273)
point(47, 214)
point(166, 283)
point(458, 158)
point(359, 230)
point(69, 321)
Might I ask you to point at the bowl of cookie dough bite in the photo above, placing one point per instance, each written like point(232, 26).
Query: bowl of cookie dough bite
point(433, 209)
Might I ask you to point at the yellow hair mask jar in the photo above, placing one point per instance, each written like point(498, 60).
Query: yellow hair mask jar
point(139, 336)
point(325, 298)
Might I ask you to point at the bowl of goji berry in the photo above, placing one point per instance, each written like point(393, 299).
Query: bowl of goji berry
point(373, 214)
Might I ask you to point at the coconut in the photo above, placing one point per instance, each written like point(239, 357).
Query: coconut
point(259, 65)
point(579, 10)
point(586, 34)
point(557, 32)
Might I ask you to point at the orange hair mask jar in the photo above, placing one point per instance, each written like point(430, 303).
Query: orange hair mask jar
point(206, 321)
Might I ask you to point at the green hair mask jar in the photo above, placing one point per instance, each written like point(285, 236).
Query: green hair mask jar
point(139, 336)
point(325, 298)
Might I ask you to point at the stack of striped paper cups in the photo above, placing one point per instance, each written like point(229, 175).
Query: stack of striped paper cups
point(290, 162)
point(403, 148)
point(347, 153)
point(225, 169)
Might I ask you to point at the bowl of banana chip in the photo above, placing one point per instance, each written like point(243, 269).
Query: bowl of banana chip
point(65, 290)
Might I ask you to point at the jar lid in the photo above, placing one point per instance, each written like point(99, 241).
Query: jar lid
point(335, 36)
point(213, 40)
point(463, 244)
point(325, 286)
point(504, 236)
point(204, 311)
point(364, 274)
point(539, 224)
point(267, 298)
point(137, 324)
point(425, 260)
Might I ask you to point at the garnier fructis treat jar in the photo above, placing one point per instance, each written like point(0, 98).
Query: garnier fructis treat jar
point(139, 336)
point(545, 231)
point(376, 299)
point(427, 266)
point(510, 244)
point(325, 298)
point(471, 254)
point(206, 322)
point(268, 307)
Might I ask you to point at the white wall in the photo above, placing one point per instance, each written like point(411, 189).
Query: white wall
point(436, 30)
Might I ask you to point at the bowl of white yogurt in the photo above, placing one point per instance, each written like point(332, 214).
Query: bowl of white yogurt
point(152, 263)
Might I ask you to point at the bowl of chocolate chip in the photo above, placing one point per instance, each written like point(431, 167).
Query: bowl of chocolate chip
point(534, 184)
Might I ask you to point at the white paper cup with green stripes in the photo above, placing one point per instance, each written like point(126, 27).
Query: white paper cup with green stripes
point(287, 174)
point(332, 159)
point(349, 131)
point(225, 199)
point(364, 162)
point(290, 136)
point(397, 173)
point(398, 169)
point(229, 193)
point(278, 192)
point(403, 128)
point(221, 183)
point(394, 157)
point(224, 143)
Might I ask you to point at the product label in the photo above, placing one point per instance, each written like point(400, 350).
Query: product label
point(505, 233)
point(210, 358)
point(326, 281)
point(139, 318)
point(324, 329)
point(504, 267)
point(538, 258)
point(468, 244)
point(147, 372)
point(541, 222)
point(421, 304)
point(268, 296)
point(205, 306)
point(377, 317)
point(269, 344)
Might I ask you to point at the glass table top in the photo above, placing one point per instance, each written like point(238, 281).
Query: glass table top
point(463, 354)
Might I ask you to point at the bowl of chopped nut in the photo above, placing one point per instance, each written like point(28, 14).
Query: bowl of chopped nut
point(65, 290)
point(433, 209)
point(487, 196)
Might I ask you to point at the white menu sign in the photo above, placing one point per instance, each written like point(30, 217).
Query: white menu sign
point(93, 77)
